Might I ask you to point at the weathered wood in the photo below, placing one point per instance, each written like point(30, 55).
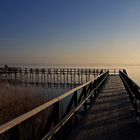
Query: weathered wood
point(133, 90)
point(111, 118)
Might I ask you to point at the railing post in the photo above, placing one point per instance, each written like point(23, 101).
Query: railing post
point(133, 92)
point(56, 113)
point(30, 74)
point(138, 105)
point(76, 103)
point(92, 95)
point(15, 75)
point(85, 104)
point(95, 85)
point(75, 99)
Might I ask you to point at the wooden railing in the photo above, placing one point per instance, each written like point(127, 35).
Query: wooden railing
point(114, 71)
point(77, 71)
point(75, 102)
point(52, 75)
point(133, 91)
point(52, 70)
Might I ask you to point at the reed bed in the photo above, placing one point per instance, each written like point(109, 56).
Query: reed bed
point(17, 100)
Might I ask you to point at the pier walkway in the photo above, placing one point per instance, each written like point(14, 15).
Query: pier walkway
point(112, 117)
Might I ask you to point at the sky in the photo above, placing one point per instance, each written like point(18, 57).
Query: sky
point(69, 32)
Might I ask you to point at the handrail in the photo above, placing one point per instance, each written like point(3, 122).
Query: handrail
point(86, 88)
point(64, 120)
point(133, 90)
point(29, 69)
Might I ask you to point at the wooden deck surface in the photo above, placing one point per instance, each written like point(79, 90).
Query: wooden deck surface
point(112, 117)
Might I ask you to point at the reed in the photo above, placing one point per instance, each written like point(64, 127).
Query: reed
point(17, 100)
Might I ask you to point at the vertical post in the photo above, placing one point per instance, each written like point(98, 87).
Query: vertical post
point(26, 76)
point(81, 76)
point(31, 75)
point(60, 76)
point(76, 103)
point(64, 78)
point(20, 71)
point(50, 75)
point(37, 76)
point(78, 77)
point(57, 75)
point(42, 76)
point(138, 110)
point(89, 75)
point(54, 76)
point(95, 85)
point(20, 74)
point(15, 75)
point(56, 113)
point(74, 76)
point(67, 76)
point(91, 87)
point(75, 99)
point(8, 75)
point(85, 95)
point(136, 90)
point(71, 74)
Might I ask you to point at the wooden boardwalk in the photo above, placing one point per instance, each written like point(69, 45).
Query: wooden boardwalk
point(112, 117)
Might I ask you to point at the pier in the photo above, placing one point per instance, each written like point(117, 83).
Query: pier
point(51, 75)
point(111, 118)
point(106, 107)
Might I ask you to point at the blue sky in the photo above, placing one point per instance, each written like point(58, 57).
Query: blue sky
point(69, 31)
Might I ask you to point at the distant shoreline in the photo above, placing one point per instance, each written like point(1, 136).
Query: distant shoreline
point(69, 65)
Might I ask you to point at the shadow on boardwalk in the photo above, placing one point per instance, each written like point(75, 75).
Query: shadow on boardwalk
point(112, 117)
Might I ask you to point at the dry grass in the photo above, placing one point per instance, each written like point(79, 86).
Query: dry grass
point(17, 100)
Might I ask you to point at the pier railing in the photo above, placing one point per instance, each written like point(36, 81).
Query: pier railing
point(75, 102)
point(52, 75)
point(133, 91)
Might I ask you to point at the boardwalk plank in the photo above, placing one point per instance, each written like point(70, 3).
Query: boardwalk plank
point(112, 117)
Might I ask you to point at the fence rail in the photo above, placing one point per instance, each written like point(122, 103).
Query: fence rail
point(133, 91)
point(78, 101)
point(52, 75)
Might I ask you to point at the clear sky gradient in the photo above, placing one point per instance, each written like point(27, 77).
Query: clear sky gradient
point(70, 31)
